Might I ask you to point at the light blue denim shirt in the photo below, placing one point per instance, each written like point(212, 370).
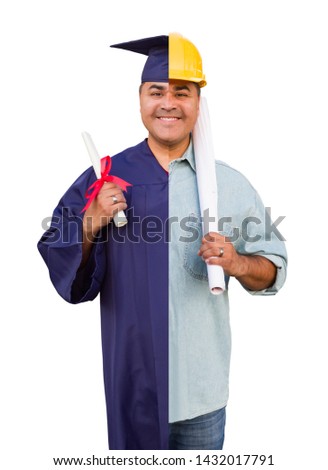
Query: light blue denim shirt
point(199, 326)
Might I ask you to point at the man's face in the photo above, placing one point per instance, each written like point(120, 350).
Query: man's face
point(169, 111)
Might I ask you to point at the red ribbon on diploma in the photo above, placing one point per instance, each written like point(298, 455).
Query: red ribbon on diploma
point(93, 190)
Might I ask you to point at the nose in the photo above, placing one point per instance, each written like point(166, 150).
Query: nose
point(168, 102)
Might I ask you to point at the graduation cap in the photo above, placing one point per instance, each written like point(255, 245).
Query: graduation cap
point(156, 68)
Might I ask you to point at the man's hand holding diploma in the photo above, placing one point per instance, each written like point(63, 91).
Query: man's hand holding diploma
point(108, 202)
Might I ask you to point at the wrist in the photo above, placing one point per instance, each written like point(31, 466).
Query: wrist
point(89, 229)
point(243, 267)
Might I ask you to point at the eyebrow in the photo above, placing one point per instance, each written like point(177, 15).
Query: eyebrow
point(162, 87)
point(181, 87)
point(156, 87)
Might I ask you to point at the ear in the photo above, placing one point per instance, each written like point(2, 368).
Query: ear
point(198, 106)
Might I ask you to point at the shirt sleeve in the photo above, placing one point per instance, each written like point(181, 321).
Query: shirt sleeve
point(61, 247)
point(260, 236)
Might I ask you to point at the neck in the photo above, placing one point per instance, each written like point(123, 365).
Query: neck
point(167, 153)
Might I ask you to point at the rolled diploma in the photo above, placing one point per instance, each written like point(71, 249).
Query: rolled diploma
point(119, 218)
point(207, 187)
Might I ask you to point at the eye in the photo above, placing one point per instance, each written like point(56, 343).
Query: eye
point(156, 93)
point(182, 95)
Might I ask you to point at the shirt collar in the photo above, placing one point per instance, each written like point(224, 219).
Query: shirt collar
point(189, 156)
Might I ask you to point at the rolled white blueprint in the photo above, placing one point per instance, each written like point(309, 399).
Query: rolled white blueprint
point(207, 187)
point(119, 218)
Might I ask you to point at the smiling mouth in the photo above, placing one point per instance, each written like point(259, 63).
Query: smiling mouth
point(168, 118)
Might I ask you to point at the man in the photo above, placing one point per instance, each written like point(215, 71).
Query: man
point(166, 339)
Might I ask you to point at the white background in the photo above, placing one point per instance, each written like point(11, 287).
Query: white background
point(266, 65)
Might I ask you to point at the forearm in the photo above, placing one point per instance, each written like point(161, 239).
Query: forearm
point(86, 251)
point(256, 272)
point(87, 240)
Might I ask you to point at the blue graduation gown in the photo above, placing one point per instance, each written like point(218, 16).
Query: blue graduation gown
point(129, 267)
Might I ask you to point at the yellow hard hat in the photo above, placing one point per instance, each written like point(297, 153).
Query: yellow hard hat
point(185, 62)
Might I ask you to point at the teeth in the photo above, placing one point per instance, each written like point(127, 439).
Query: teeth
point(168, 118)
